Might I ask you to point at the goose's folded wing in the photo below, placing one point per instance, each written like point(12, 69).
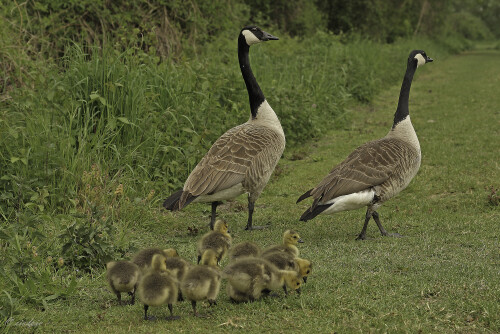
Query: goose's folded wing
point(369, 165)
point(229, 159)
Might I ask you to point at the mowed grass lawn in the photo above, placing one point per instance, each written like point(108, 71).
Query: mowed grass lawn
point(443, 276)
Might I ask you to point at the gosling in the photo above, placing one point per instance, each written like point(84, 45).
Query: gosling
point(290, 240)
point(179, 268)
point(158, 287)
point(285, 261)
point(244, 249)
point(202, 282)
point(248, 277)
point(123, 276)
point(305, 268)
point(144, 257)
point(218, 240)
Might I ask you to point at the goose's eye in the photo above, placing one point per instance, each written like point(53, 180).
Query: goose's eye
point(295, 237)
point(298, 283)
point(308, 272)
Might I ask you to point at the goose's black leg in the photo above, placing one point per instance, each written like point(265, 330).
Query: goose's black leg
point(381, 228)
point(362, 235)
point(212, 217)
point(251, 205)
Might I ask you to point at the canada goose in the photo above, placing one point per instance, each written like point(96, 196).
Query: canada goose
point(375, 171)
point(202, 281)
point(143, 258)
point(123, 276)
point(248, 277)
point(242, 159)
point(243, 249)
point(158, 287)
point(219, 240)
point(290, 240)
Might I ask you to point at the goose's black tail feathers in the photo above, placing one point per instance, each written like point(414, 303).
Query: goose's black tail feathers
point(311, 213)
point(304, 196)
point(172, 202)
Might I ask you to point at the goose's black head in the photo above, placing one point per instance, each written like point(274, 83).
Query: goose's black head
point(419, 57)
point(253, 35)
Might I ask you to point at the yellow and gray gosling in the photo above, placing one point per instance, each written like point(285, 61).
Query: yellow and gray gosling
point(144, 257)
point(202, 282)
point(123, 276)
point(179, 267)
point(158, 287)
point(219, 240)
point(305, 268)
point(290, 240)
point(285, 261)
point(248, 277)
point(244, 249)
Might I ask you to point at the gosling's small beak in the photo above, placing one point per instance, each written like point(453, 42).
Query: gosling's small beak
point(300, 241)
point(267, 37)
point(304, 279)
point(298, 291)
point(429, 60)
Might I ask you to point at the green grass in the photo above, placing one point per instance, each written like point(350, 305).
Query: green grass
point(443, 276)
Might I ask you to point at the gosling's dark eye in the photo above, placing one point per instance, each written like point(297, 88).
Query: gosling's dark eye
point(308, 272)
point(298, 283)
point(295, 237)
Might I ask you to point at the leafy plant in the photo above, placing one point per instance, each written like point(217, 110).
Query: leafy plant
point(29, 272)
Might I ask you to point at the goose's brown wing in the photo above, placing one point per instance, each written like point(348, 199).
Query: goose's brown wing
point(369, 165)
point(230, 158)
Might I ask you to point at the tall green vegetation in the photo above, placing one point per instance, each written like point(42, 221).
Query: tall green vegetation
point(105, 107)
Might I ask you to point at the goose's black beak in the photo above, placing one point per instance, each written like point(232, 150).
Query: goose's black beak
point(268, 37)
point(300, 241)
point(429, 60)
point(304, 279)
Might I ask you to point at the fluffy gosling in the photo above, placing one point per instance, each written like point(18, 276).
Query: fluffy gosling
point(144, 257)
point(202, 282)
point(179, 268)
point(244, 249)
point(218, 240)
point(290, 240)
point(123, 276)
point(248, 277)
point(158, 287)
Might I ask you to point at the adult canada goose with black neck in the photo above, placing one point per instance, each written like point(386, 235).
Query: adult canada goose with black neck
point(375, 171)
point(242, 159)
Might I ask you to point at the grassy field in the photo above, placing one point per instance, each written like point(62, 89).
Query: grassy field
point(443, 276)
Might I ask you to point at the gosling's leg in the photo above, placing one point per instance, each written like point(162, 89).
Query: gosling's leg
point(146, 313)
point(172, 317)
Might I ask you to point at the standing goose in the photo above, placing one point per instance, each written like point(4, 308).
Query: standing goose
point(242, 159)
point(375, 171)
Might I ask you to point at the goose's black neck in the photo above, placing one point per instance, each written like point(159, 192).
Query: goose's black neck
point(255, 94)
point(402, 111)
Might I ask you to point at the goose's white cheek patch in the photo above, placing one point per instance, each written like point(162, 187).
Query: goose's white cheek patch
point(420, 59)
point(250, 38)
